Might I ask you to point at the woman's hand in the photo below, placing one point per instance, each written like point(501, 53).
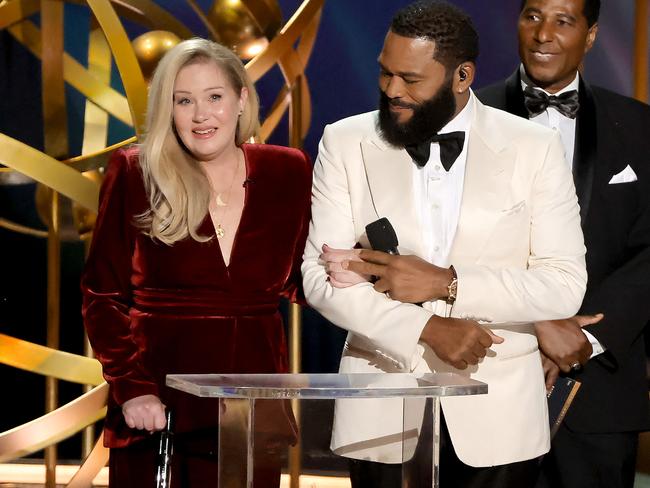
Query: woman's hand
point(145, 412)
point(341, 278)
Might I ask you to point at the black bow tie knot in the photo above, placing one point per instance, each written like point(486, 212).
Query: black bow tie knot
point(451, 145)
point(537, 101)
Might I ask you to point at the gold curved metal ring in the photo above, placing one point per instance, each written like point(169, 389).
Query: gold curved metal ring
point(49, 171)
point(54, 426)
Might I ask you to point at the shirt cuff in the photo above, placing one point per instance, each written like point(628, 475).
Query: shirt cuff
point(597, 346)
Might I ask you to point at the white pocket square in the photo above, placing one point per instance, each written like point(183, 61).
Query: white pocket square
point(626, 176)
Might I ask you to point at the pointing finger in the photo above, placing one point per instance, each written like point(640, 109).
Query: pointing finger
point(377, 257)
point(364, 268)
point(584, 320)
point(495, 338)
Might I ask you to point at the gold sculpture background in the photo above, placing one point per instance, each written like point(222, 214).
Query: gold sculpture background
point(68, 185)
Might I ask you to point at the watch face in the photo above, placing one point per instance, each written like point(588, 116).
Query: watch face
point(451, 290)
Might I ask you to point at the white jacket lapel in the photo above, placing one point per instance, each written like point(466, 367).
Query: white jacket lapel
point(488, 173)
point(390, 179)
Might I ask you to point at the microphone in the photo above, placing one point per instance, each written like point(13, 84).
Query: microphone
point(382, 236)
point(165, 451)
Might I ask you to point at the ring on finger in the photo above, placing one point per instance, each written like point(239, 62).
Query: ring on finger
point(576, 366)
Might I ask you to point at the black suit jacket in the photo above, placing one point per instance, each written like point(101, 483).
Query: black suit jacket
point(612, 132)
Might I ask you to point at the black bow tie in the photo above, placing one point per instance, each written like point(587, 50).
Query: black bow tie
point(537, 101)
point(451, 145)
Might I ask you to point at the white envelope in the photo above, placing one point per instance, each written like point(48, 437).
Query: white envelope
point(626, 176)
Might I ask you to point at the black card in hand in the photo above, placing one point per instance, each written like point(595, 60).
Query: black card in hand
point(559, 400)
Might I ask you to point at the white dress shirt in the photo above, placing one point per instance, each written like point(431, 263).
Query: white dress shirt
point(552, 118)
point(438, 193)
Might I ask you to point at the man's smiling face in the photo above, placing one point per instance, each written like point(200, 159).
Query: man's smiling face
point(554, 36)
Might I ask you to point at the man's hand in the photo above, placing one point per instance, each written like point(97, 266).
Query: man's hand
point(563, 340)
point(458, 342)
point(341, 278)
point(551, 371)
point(409, 279)
point(144, 412)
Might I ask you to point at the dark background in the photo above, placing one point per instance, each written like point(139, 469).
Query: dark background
point(342, 75)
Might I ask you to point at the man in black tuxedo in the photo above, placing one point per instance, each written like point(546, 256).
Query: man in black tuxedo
point(607, 140)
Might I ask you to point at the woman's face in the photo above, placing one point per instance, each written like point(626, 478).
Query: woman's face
point(206, 109)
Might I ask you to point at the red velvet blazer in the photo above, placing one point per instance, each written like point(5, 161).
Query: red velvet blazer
point(151, 309)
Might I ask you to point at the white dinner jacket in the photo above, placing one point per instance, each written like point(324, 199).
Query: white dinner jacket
point(519, 255)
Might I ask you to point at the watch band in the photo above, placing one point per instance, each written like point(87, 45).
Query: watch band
point(452, 287)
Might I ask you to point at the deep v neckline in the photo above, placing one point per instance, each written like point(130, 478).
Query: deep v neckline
point(233, 248)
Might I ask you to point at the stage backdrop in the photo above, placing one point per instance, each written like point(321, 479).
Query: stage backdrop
point(343, 80)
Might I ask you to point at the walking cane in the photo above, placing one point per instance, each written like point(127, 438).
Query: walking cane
point(165, 451)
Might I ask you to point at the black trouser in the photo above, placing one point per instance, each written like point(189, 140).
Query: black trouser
point(581, 460)
point(453, 472)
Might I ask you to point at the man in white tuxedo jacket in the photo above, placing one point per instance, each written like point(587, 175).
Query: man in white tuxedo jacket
point(490, 242)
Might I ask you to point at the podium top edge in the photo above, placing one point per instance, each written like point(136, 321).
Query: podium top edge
point(326, 386)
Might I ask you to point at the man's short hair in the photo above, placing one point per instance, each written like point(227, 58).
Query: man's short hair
point(591, 10)
point(450, 29)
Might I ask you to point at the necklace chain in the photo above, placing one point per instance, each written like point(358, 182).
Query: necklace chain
point(219, 203)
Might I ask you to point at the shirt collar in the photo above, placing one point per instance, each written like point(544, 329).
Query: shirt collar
point(526, 81)
point(463, 120)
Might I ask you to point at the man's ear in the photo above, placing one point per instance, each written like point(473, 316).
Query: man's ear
point(464, 77)
point(591, 37)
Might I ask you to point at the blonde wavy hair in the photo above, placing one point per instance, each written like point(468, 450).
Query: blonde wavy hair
point(176, 184)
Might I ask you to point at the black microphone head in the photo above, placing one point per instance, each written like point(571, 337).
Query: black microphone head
point(382, 236)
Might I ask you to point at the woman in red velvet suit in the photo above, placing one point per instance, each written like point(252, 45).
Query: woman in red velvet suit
point(198, 236)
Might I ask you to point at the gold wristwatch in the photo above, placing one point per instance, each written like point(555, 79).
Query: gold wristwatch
point(452, 287)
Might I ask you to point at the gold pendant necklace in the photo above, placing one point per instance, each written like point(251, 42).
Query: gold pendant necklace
point(220, 231)
point(220, 202)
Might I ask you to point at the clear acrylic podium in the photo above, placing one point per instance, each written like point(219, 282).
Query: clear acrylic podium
point(256, 420)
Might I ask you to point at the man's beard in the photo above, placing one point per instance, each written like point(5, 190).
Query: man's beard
point(426, 120)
